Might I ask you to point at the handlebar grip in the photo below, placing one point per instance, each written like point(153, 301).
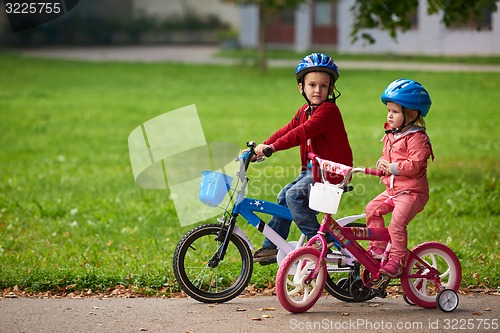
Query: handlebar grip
point(268, 152)
point(374, 172)
point(312, 156)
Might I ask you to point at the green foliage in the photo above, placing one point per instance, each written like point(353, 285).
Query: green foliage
point(389, 15)
point(461, 11)
point(395, 16)
point(72, 218)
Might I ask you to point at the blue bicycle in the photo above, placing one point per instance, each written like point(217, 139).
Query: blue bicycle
point(213, 263)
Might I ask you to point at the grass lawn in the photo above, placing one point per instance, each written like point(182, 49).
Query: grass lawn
point(72, 218)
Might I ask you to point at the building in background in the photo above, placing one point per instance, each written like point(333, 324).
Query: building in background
point(320, 24)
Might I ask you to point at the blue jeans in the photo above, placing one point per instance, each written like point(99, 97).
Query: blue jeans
point(295, 196)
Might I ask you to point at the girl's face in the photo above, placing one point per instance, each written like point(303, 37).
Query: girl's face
point(395, 115)
point(316, 86)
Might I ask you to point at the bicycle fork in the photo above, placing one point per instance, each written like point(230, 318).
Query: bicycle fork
point(224, 238)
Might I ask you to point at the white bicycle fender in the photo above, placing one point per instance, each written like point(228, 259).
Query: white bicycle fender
point(237, 231)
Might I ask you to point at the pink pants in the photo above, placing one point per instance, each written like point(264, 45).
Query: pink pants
point(406, 206)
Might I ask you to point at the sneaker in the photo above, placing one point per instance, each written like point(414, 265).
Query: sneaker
point(393, 268)
point(265, 255)
point(376, 252)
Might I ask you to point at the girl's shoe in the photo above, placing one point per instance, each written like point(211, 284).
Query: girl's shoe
point(393, 268)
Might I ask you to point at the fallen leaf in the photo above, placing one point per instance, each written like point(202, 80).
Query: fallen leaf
point(256, 319)
point(477, 313)
point(266, 316)
point(241, 309)
point(345, 314)
point(487, 309)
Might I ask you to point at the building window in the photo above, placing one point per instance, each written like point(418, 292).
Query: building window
point(287, 16)
point(325, 13)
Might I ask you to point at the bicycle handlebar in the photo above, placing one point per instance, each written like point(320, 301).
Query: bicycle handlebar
point(374, 172)
point(342, 169)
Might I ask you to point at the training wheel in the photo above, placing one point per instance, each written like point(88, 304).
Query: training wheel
point(447, 300)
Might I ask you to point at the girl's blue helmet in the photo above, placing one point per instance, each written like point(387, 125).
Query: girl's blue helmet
point(409, 94)
point(316, 62)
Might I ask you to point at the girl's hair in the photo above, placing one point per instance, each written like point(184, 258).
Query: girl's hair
point(420, 121)
point(410, 113)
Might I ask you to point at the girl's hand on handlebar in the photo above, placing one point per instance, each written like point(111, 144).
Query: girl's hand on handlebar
point(385, 166)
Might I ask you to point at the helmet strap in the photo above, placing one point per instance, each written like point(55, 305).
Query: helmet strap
point(334, 97)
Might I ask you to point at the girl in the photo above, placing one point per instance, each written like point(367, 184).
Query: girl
point(404, 162)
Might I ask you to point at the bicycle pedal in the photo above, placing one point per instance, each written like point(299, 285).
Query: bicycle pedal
point(381, 284)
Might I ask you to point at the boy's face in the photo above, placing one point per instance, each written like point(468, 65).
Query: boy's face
point(316, 86)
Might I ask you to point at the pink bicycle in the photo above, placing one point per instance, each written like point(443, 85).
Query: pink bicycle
point(430, 279)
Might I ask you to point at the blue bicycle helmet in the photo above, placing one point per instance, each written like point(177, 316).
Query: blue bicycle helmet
point(316, 62)
point(409, 94)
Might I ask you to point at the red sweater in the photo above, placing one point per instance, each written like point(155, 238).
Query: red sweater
point(325, 128)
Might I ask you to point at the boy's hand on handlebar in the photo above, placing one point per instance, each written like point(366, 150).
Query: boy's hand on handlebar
point(259, 150)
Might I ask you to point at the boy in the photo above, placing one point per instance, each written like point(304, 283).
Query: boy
point(316, 127)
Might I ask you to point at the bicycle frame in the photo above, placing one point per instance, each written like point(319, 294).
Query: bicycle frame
point(247, 207)
point(348, 237)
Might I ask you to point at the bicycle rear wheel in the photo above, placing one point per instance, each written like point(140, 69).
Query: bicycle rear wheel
point(423, 291)
point(338, 284)
point(206, 284)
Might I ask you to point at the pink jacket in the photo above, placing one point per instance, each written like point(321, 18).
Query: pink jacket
point(408, 154)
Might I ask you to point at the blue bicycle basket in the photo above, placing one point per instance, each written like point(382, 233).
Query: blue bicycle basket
point(214, 187)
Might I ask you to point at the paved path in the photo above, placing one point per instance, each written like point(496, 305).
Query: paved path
point(475, 313)
point(206, 55)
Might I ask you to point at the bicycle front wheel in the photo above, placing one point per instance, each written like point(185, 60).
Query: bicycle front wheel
point(294, 293)
point(203, 283)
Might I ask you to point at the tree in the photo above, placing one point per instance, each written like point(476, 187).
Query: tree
point(394, 16)
point(267, 8)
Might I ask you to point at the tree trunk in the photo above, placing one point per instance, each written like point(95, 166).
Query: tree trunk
point(262, 59)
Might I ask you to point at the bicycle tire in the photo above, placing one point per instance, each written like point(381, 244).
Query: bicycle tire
point(338, 284)
point(423, 292)
point(211, 285)
point(294, 295)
